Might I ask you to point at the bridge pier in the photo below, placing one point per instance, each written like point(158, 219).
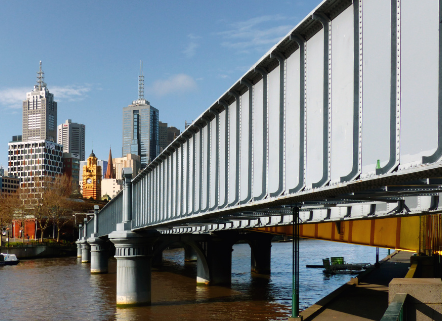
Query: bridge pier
point(217, 269)
point(78, 242)
point(133, 254)
point(261, 249)
point(85, 251)
point(190, 254)
point(99, 255)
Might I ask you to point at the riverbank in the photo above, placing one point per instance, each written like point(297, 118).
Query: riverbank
point(38, 250)
point(362, 298)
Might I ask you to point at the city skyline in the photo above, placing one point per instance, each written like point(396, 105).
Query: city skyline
point(192, 54)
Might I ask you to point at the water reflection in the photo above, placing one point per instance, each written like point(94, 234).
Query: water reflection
point(63, 288)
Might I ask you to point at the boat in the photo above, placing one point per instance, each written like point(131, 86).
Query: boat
point(8, 259)
point(337, 265)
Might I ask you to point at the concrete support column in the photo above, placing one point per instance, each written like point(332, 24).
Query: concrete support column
point(190, 254)
point(157, 258)
point(261, 250)
point(217, 267)
point(99, 255)
point(133, 254)
point(85, 251)
point(78, 242)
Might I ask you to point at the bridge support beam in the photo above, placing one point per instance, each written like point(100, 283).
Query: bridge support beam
point(218, 267)
point(157, 257)
point(99, 255)
point(85, 251)
point(190, 254)
point(133, 254)
point(78, 242)
point(261, 249)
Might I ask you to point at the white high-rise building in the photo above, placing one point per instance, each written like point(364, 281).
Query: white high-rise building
point(72, 137)
point(39, 113)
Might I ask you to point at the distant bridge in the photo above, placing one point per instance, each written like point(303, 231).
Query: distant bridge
point(341, 120)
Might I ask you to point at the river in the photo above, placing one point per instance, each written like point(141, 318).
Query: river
point(64, 289)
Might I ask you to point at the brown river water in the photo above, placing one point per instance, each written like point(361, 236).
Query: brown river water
point(64, 289)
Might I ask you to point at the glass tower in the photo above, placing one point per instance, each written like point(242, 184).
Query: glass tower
point(140, 131)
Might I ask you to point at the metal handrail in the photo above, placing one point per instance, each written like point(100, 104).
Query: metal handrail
point(396, 309)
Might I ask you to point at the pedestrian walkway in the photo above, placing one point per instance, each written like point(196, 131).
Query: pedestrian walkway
point(367, 300)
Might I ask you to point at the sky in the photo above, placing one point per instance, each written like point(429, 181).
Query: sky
point(192, 52)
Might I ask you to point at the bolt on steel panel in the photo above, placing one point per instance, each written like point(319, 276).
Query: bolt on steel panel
point(214, 167)
point(245, 162)
point(191, 176)
point(419, 85)
point(315, 94)
point(342, 95)
point(205, 168)
point(273, 129)
point(222, 161)
point(184, 197)
point(233, 150)
point(197, 155)
point(292, 120)
point(376, 84)
point(259, 125)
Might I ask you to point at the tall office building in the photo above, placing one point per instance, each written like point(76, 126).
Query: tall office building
point(72, 137)
point(35, 154)
point(140, 127)
point(39, 112)
point(167, 135)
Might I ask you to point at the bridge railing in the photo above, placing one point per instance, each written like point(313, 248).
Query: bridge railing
point(89, 227)
point(109, 216)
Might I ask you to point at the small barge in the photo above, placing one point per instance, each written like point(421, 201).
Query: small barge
point(8, 259)
point(337, 265)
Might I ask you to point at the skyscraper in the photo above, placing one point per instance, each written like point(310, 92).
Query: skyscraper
point(72, 137)
point(35, 154)
point(166, 135)
point(140, 127)
point(39, 112)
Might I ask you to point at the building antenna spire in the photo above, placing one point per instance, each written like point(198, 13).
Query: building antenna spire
point(40, 78)
point(141, 82)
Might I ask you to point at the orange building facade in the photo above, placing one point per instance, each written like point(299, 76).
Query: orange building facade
point(92, 178)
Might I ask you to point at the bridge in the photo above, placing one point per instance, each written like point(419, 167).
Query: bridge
point(335, 133)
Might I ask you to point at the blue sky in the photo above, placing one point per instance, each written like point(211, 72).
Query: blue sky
point(192, 52)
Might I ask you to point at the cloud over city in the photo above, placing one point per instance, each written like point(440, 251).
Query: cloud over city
point(256, 34)
point(175, 84)
point(12, 98)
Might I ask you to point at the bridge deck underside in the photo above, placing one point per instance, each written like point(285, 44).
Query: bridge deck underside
point(396, 233)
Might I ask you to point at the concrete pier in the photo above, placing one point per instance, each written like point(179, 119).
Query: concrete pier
point(261, 249)
point(190, 254)
point(85, 252)
point(78, 242)
point(217, 269)
point(133, 254)
point(99, 255)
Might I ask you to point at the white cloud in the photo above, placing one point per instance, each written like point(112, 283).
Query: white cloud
point(12, 98)
point(70, 93)
point(190, 50)
point(256, 34)
point(176, 84)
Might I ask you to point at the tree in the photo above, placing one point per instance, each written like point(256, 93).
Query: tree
point(9, 204)
point(56, 201)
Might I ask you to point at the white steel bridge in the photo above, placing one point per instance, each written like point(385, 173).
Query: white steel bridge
point(342, 118)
